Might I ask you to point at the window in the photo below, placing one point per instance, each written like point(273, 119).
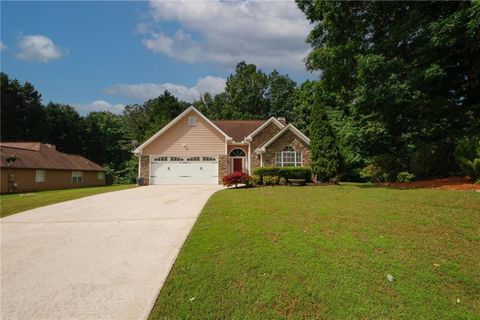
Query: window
point(39, 176)
point(209, 159)
point(159, 159)
point(101, 175)
point(192, 121)
point(77, 176)
point(237, 153)
point(193, 159)
point(288, 158)
point(176, 159)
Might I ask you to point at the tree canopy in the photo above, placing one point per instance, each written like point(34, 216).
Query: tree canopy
point(402, 77)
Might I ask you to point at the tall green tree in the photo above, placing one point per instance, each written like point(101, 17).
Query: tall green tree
point(142, 121)
point(280, 94)
point(106, 139)
point(303, 100)
point(22, 114)
point(401, 75)
point(325, 156)
point(246, 91)
point(66, 128)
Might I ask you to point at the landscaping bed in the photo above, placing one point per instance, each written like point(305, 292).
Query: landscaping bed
point(353, 251)
point(453, 183)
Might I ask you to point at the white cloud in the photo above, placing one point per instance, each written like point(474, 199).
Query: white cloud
point(144, 91)
point(142, 28)
point(269, 34)
point(99, 105)
point(38, 48)
point(2, 46)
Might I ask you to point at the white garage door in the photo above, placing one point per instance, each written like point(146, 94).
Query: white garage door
point(184, 170)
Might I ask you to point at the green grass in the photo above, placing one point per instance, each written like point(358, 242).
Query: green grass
point(325, 252)
point(14, 203)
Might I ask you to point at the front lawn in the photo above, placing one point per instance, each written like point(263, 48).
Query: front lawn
point(325, 252)
point(13, 203)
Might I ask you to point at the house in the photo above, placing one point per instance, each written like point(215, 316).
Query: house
point(34, 166)
point(192, 149)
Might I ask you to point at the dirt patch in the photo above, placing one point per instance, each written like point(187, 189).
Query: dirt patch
point(452, 183)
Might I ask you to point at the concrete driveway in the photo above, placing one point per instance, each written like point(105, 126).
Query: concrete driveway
point(99, 257)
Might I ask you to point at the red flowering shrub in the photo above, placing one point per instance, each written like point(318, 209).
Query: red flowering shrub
point(236, 178)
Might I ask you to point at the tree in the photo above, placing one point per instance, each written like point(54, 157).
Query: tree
point(66, 128)
point(303, 99)
point(246, 93)
point(400, 75)
point(280, 94)
point(325, 156)
point(142, 121)
point(22, 116)
point(106, 140)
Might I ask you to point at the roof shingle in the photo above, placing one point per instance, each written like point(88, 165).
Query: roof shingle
point(238, 129)
point(36, 155)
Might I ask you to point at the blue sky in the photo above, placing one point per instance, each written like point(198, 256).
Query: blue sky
point(103, 55)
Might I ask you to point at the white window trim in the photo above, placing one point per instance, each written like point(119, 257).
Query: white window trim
point(37, 176)
point(100, 175)
point(282, 162)
point(192, 121)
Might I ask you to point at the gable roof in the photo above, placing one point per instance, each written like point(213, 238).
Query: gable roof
point(36, 155)
point(289, 127)
point(238, 129)
point(174, 121)
point(264, 125)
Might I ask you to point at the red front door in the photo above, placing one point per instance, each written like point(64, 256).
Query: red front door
point(237, 165)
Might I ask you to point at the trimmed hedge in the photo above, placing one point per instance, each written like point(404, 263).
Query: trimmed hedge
point(285, 172)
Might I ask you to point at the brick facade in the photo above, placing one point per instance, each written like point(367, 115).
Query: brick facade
point(222, 167)
point(259, 140)
point(287, 138)
point(145, 169)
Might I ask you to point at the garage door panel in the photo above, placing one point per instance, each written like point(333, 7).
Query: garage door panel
point(197, 172)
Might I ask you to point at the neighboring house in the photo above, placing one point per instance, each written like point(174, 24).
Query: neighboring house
point(192, 149)
point(34, 166)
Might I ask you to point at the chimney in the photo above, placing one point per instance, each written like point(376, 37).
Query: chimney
point(51, 146)
point(282, 120)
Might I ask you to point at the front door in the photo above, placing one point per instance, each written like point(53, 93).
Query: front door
point(237, 165)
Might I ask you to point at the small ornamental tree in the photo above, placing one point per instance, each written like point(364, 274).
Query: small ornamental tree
point(325, 155)
point(236, 178)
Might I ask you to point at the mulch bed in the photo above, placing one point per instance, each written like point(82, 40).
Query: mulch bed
point(452, 183)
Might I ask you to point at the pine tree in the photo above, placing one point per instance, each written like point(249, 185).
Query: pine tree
point(325, 155)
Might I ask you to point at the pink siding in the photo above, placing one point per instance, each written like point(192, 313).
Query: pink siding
point(185, 140)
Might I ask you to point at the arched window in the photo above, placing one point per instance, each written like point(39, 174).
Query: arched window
point(288, 157)
point(237, 153)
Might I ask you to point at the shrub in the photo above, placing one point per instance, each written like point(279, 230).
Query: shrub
point(236, 178)
point(432, 160)
point(267, 180)
point(389, 166)
point(373, 173)
point(282, 181)
point(285, 172)
point(405, 176)
point(467, 155)
point(275, 179)
point(256, 180)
